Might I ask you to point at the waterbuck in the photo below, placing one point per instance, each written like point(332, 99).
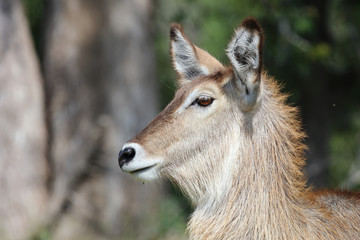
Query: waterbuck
point(230, 142)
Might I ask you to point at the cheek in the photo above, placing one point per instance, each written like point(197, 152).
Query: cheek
point(199, 141)
point(159, 144)
point(200, 155)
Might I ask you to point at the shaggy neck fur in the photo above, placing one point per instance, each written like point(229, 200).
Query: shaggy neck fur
point(266, 197)
point(266, 181)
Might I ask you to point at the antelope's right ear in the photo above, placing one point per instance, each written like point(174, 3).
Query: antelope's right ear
point(245, 54)
point(189, 61)
point(183, 54)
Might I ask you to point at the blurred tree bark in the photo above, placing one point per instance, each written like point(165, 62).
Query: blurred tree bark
point(99, 73)
point(23, 164)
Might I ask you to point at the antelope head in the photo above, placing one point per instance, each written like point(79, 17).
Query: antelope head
point(195, 140)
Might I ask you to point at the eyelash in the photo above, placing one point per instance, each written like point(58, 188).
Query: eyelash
point(203, 101)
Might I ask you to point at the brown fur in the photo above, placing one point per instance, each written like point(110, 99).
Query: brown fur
point(243, 170)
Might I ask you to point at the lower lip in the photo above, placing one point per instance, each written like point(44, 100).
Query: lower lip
point(141, 170)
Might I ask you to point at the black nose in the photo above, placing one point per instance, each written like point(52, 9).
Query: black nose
point(126, 155)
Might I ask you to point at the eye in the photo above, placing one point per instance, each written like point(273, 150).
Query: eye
point(203, 101)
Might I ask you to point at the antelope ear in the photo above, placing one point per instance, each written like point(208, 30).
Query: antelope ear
point(188, 60)
point(245, 54)
point(184, 55)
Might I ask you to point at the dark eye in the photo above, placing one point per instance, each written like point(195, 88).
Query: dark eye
point(203, 101)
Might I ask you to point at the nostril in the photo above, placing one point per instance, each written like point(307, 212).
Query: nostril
point(126, 155)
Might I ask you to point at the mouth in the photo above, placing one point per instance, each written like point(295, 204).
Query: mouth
point(143, 173)
point(141, 170)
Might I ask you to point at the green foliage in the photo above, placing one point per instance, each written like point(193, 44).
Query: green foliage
point(320, 52)
point(34, 10)
point(169, 222)
point(344, 147)
point(172, 217)
point(42, 234)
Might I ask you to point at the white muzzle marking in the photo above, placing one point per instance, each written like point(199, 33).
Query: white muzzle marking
point(141, 166)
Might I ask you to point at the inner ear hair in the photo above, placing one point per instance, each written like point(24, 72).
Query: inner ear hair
point(183, 53)
point(245, 54)
point(245, 49)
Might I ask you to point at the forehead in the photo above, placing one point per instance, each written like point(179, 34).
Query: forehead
point(213, 83)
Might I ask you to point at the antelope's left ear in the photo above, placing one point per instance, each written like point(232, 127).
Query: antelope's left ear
point(245, 54)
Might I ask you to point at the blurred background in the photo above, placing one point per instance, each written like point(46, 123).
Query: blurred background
point(80, 77)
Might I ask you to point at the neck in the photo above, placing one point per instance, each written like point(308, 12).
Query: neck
point(267, 188)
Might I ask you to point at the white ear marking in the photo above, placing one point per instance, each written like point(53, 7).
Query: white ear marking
point(184, 56)
point(244, 52)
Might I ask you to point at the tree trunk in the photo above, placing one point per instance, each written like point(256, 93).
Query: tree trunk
point(99, 72)
point(23, 193)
